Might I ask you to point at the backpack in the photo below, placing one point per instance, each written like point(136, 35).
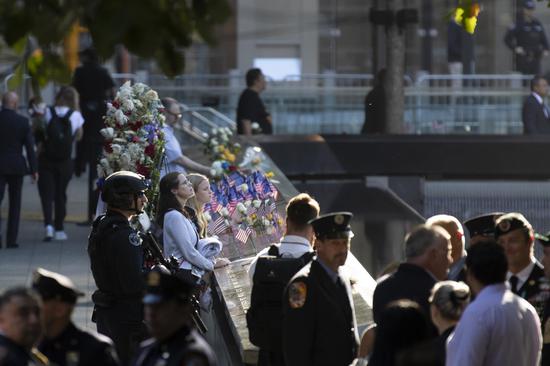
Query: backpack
point(58, 143)
point(265, 315)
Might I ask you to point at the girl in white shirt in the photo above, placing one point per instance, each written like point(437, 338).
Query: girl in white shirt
point(179, 234)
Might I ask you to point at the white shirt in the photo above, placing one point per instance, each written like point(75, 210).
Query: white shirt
point(76, 118)
point(180, 237)
point(539, 99)
point(522, 275)
point(172, 152)
point(498, 328)
point(292, 246)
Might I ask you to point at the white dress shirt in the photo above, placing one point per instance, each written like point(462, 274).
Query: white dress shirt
point(541, 101)
point(180, 239)
point(292, 246)
point(498, 328)
point(76, 118)
point(522, 275)
point(172, 152)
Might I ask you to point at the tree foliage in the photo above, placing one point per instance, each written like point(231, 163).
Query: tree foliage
point(153, 29)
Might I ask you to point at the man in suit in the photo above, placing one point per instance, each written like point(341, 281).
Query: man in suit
point(15, 133)
point(428, 259)
point(525, 274)
point(317, 303)
point(535, 114)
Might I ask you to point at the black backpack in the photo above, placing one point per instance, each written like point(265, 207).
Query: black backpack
point(58, 143)
point(265, 315)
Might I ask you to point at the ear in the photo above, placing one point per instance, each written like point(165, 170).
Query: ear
point(174, 191)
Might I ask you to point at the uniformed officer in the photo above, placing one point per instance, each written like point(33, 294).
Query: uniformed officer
point(481, 228)
point(525, 274)
point(116, 259)
point(20, 327)
point(168, 316)
point(527, 40)
point(544, 240)
point(319, 326)
point(63, 343)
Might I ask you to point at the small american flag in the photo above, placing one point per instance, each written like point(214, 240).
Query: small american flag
point(217, 226)
point(243, 234)
point(272, 206)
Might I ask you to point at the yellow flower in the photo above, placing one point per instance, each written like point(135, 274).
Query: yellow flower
point(269, 175)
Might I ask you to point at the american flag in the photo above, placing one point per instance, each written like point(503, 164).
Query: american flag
point(243, 234)
point(274, 190)
point(233, 201)
point(217, 226)
point(272, 206)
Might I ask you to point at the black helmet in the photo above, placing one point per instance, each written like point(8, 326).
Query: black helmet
point(121, 186)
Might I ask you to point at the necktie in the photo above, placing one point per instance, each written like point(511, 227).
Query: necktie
point(514, 283)
point(545, 109)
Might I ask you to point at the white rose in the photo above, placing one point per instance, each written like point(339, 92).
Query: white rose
point(270, 230)
point(213, 172)
point(224, 211)
point(214, 131)
point(247, 203)
point(241, 208)
point(214, 142)
point(256, 203)
point(120, 117)
point(244, 187)
point(151, 95)
point(139, 88)
point(207, 216)
point(128, 105)
point(117, 149)
point(108, 132)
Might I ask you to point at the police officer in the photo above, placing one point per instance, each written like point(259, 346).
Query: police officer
point(20, 327)
point(168, 315)
point(319, 326)
point(116, 258)
point(63, 343)
point(482, 228)
point(527, 40)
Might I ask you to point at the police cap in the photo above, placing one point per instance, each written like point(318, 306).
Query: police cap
point(335, 225)
point(482, 225)
point(162, 286)
point(510, 222)
point(529, 4)
point(51, 285)
point(123, 182)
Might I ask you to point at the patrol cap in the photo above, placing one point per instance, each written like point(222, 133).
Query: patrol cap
point(123, 182)
point(335, 225)
point(544, 239)
point(529, 4)
point(482, 225)
point(510, 222)
point(51, 285)
point(162, 286)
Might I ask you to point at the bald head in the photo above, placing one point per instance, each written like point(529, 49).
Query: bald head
point(10, 100)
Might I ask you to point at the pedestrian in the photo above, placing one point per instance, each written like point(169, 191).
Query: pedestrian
point(460, 51)
point(168, 316)
point(375, 106)
point(527, 40)
point(427, 260)
point(15, 133)
point(55, 166)
point(64, 343)
point(499, 327)
point(481, 228)
point(319, 326)
point(264, 317)
point(180, 238)
point(252, 116)
point(94, 85)
point(458, 253)
point(116, 259)
point(20, 327)
point(544, 240)
point(525, 274)
point(175, 160)
point(535, 115)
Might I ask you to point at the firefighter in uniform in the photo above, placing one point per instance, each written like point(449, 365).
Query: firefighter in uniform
point(64, 344)
point(116, 258)
point(527, 40)
point(319, 326)
point(174, 341)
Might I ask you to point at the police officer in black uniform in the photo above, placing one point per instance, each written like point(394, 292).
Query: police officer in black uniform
point(116, 258)
point(319, 326)
point(527, 40)
point(168, 315)
point(64, 344)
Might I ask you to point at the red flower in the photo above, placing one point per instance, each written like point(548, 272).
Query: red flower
point(136, 125)
point(232, 168)
point(116, 104)
point(107, 147)
point(135, 139)
point(143, 170)
point(150, 150)
point(127, 113)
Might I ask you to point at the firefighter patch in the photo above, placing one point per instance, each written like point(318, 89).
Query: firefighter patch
point(134, 239)
point(297, 294)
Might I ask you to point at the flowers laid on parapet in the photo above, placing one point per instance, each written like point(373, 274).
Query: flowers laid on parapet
point(133, 134)
point(222, 151)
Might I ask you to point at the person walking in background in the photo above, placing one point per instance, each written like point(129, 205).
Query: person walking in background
point(55, 167)
point(527, 40)
point(375, 106)
point(499, 327)
point(15, 133)
point(460, 51)
point(251, 109)
point(94, 85)
point(535, 115)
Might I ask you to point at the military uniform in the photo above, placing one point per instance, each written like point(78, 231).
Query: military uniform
point(11, 354)
point(544, 240)
point(319, 326)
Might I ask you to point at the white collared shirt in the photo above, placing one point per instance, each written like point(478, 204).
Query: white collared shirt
point(522, 275)
point(292, 246)
point(541, 102)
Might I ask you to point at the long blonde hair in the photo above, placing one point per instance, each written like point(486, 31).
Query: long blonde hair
point(196, 179)
point(67, 96)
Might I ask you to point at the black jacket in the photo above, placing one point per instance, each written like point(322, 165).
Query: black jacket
point(534, 120)
point(15, 133)
point(322, 331)
point(535, 289)
point(12, 354)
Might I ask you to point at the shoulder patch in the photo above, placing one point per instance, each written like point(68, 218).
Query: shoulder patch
point(134, 239)
point(297, 294)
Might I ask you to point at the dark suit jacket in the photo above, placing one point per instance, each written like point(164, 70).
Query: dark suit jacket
point(408, 282)
point(15, 132)
point(535, 289)
point(323, 331)
point(534, 120)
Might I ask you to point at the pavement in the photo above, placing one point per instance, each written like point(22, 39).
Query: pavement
point(67, 257)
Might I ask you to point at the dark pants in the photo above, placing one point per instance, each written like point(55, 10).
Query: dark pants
point(87, 157)
point(15, 182)
point(53, 179)
point(528, 65)
point(269, 358)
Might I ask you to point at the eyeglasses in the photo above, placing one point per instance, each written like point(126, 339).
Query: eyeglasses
point(177, 115)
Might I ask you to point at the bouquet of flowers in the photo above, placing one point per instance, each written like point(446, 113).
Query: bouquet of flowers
point(133, 134)
point(222, 151)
